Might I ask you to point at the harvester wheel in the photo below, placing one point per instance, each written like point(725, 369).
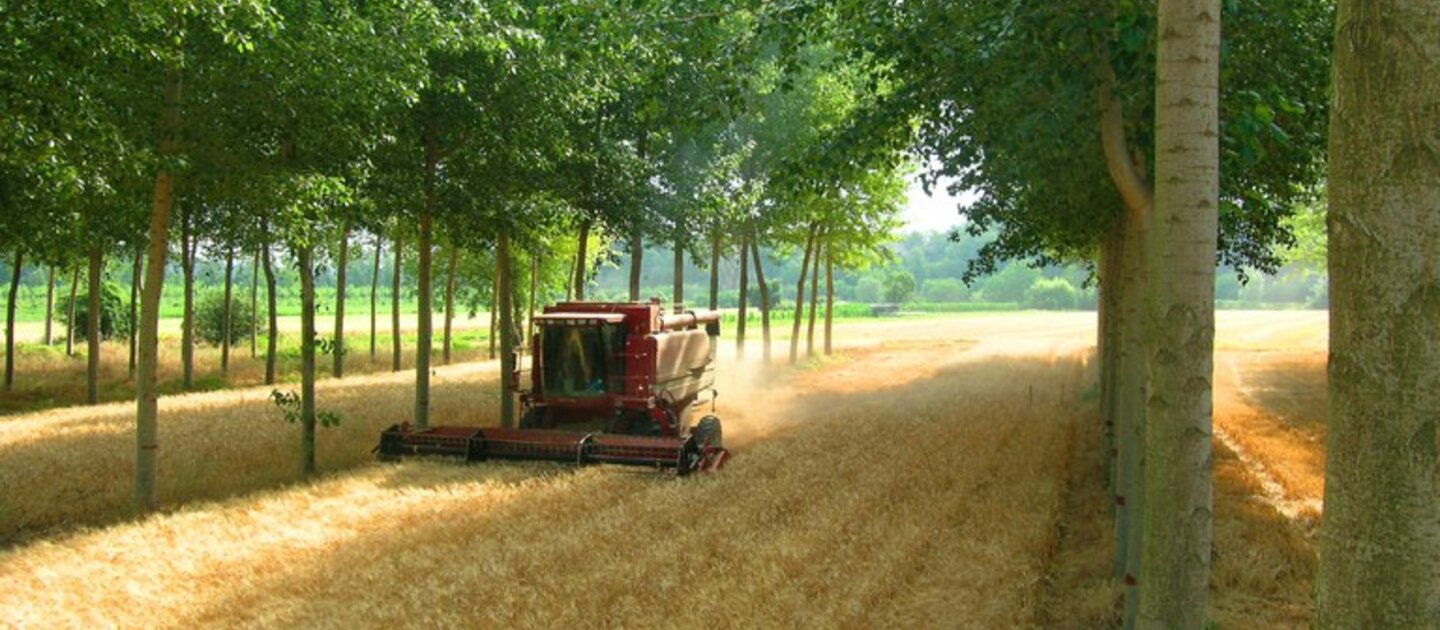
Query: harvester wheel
point(708, 431)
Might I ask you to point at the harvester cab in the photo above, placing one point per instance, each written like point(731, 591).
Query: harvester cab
point(618, 383)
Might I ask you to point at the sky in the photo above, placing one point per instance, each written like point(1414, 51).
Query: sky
point(931, 214)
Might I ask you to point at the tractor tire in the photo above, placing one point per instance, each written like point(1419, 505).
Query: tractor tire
point(709, 431)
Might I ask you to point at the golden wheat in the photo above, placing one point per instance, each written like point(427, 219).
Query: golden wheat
point(72, 466)
point(915, 481)
point(929, 502)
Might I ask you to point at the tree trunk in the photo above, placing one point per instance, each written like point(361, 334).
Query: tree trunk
point(423, 330)
point(272, 336)
point(147, 444)
point(1179, 495)
point(744, 297)
point(800, 295)
point(678, 291)
point(395, 302)
point(1130, 427)
point(582, 265)
point(829, 298)
point(814, 297)
point(715, 272)
point(637, 256)
point(70, 313)
point(255, 304)
point(307, 362)
point(504, 296)
point(454, 260)
point(1108, 346)
point(134, 307)
point(374, 295)
point(229, 312)
point(92, 330)
point(342, 266)
point(49, 305)
point(495, 305)
point(764, 297)
point(10, 319)
point(187, 319)
point(534, 287)
point(1135, 192)
point(1380, 540)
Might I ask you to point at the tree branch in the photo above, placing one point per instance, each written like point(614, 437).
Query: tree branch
point(1129, 181)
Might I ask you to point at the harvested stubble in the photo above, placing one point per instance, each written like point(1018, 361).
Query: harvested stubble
point(72, 467)
point(1263, 571)
point(930, 503)
point(1273, 405)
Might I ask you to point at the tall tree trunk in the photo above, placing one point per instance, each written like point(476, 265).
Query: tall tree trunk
point(814, 297)
point(800, 295)
point(147, 442)
point(307, 362)
point(92, 329)
point(70, 313)
point(187, 318)
point(715, 272)
point(272, 335)
point(1380, 541)
point(1138, 199)
point(678, 291)
point(135, 281)
point(534, 288)
point(744, 297)
point(1108, 345)
point(10, 319)
point(342, 266)
point(255, 304)
point(454, 260)
point(582, 262)
point(495, 305)
point(764, 297)
point(229, 311)
point(1131, 424)
point(637, 256)
point(1179, 496)
point(423, 330)
point(829, 298)
point(504, 296)
point(395, 301)
point(49, 305)
point(374, 294)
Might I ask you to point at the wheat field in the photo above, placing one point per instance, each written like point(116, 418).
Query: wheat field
point(72, 466)
point(948, 480)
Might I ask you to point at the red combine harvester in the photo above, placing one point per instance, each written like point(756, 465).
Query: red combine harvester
point(609, 383)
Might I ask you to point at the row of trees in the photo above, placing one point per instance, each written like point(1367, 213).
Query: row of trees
point(1097, 131)
point(508, 138)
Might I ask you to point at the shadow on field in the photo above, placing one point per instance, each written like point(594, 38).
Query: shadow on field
point(1291, 387)
point(922, 502)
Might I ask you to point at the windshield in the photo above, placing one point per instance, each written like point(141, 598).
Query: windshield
point(581, 360)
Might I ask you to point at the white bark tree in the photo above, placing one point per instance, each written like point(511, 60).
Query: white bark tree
point(1380, 542)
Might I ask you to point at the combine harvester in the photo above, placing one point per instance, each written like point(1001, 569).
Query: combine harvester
point(611, 383)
